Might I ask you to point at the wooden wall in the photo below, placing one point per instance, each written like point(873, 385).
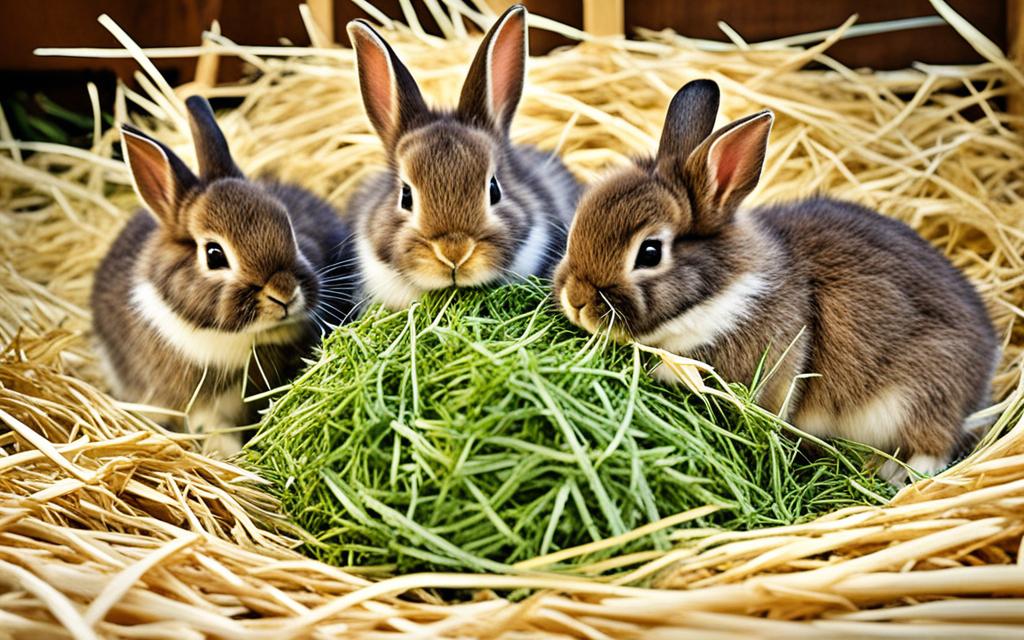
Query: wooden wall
point(30, 24)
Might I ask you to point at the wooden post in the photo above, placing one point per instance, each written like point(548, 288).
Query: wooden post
point(604, 17)
point(208, 63)
point(323, 15)
point(1015, 50)
point(498, 6)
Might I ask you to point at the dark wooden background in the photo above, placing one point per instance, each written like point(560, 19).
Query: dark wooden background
point(157, 23)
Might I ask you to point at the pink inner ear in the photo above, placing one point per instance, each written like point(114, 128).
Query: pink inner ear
point(506, 64)
point(726, 161)
point(151, 172)
point(734, 157)
point(375, 73)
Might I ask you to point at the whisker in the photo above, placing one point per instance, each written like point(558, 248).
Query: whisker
point(332, 313)
point(356, 307)
point(340, 279)
point(335, 266)
point(320, 324)
point(614, 313)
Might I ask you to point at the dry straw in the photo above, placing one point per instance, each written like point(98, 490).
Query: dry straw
point(111, 527)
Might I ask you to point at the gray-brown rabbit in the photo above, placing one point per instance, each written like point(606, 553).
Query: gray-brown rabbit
point(458, 204)
point(901, 345)
point(221, 278)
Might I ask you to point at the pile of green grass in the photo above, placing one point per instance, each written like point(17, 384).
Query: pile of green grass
point(480, 429)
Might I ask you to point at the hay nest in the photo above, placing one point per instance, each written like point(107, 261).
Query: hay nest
point(111, 527)
point(480, 431)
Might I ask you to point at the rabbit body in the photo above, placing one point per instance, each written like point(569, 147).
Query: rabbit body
point(458, 204)
point(865, 303)
point(219, 289)
point(870, 333)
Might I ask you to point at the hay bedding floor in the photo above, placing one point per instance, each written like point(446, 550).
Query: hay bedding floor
point(111, 527)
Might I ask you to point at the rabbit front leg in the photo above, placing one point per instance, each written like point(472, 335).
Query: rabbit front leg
point(218, 418)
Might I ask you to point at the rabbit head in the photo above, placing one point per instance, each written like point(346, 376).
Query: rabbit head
point(224, 255)
point(453, 212)
point(659, 237)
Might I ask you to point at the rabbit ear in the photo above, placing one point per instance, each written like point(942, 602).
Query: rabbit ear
point(725, 168)
point(689, 121)
point(390, 95)
point(494, 83)
point(211, 148)
point(161, 179)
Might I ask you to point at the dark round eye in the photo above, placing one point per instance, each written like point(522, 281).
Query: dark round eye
point(215, 257)
point(406, 201)
point(495, 191)
point(649, 254)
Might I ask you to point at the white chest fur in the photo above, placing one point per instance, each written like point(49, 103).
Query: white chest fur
point(532, 253)
point(223, 349)
point(703, 324)
point(383, 283)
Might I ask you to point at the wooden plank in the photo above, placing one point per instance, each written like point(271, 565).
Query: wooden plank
point(604, 17)
point(208, 64)
point(323, 15)
point(757, 20)
point(499, 6)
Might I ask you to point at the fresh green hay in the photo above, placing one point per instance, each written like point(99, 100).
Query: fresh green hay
point(480, 429)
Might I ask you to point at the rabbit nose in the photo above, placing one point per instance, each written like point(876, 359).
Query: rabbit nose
point(578, 293)
point(576, 296)
point(284, 291)
point(283, 305)
point(453, 250)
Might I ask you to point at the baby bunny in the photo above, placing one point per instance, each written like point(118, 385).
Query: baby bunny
point(220, 288)
point(900, 343)
point(459, 204)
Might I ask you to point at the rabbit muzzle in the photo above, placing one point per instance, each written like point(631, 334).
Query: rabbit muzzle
point(454, 251)
point(282, 298)
point(582, 303)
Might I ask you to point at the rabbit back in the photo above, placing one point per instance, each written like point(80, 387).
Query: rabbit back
point(891, 320)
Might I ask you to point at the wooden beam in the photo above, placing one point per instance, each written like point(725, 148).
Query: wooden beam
point(604, 17)
point(208, 64)
point(499, 6)
point(323, 15)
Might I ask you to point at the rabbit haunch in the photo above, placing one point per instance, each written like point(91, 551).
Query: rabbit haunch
point(862, 321)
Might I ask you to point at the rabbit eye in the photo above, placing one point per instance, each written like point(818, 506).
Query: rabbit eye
point(649, 254)
point(406, 200)
point(495, 191)
point(215, 257)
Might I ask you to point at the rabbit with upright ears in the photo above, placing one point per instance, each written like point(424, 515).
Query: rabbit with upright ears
point(898, 344)
point(458, 204)
point(220, 287)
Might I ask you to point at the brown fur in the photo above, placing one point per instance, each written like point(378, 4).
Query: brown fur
point(281, 239)
point(453, 235)
point(858, 299)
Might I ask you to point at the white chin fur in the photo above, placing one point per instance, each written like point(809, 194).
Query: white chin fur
point(223, 349)
point(702, 325)
point(383, 283)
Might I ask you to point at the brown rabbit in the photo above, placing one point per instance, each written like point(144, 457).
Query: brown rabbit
point(218, 269)
point(458, 204)
point(900, 342)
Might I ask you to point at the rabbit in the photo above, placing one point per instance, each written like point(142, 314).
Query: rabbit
point(894, 347)
point(217, 269)
point(458, 204)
